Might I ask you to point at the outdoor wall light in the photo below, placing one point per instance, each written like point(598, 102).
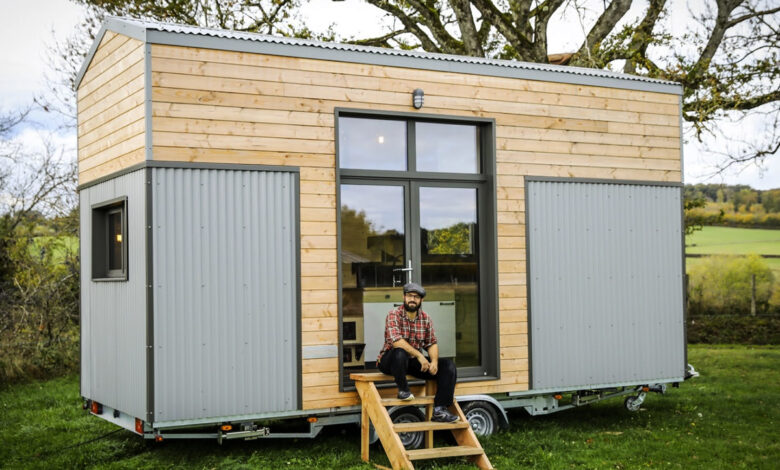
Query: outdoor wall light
point(418, 98)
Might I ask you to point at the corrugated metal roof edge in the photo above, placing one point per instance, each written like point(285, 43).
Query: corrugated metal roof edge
point(171, 34)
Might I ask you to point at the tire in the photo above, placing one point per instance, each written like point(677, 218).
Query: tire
point(409, 414)
point(482, 417)
point(632, 404)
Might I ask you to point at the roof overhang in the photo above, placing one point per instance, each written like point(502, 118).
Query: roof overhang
point(151, 32)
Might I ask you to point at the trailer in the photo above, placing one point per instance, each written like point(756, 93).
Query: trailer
point(250, 206)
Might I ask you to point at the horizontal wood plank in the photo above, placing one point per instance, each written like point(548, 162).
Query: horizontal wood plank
point(481, 81)
point(167, 66)
point(329, 364)
point(249, 157)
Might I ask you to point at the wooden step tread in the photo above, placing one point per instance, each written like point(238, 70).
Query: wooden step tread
point(428, 426)
point(416, 401)
point(440, 452)
point(375, 377)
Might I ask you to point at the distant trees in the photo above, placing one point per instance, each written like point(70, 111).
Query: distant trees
point(724, 284)
point(39, 267)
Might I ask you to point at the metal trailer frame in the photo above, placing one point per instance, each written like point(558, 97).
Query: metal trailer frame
point(534, 404)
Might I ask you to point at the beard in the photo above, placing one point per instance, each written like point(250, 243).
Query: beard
point(411, 308)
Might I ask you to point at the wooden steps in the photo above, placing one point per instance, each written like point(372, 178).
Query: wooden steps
point(417, 401)
point(441, 452)
point(373, 410)
point(428, 426)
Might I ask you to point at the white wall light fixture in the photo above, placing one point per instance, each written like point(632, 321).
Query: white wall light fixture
point(417, 98)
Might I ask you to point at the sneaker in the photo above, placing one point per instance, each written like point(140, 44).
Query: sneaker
point(442, 415)
point(405, 395)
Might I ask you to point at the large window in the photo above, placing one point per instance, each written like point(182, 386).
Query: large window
point(416, 199)
point(109, 240)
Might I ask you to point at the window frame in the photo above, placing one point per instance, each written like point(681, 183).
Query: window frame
point(487, 205)
point(101, 245)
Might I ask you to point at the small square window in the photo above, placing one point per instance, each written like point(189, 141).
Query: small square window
point(109, 240)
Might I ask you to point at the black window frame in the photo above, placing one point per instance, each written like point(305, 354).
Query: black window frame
point(490, 368)
point(101, 271)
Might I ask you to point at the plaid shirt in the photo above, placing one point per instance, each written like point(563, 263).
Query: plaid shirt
point(418, 333)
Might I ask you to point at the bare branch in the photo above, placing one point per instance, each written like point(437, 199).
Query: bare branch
point(468, 31)
point(604, 25)
point(410, 24)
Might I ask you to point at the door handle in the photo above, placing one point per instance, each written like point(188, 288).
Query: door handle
point(408, 270)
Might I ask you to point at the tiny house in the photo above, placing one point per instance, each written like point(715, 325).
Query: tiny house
point(251, 205)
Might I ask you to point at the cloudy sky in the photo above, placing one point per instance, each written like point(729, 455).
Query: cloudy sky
point(29, 26)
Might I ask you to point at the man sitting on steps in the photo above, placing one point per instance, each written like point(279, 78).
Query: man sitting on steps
point(408, 331)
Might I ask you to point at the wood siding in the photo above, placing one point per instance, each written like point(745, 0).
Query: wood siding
point(230, 107)
point(111, 124)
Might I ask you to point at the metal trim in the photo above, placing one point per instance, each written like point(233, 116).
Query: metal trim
point(528, 316)
point(418, 175)
point(120, 201)
point(109, 202)
point(410, 59)
point(148, 100)
point(339, 297)
point(564, 179)
point(682, 229)
point(493, 305)
point(116, 25)
point(90, 54)
point(429, 117)
point(149, 179)
point(296, 177)
point(189, 165)
point(544, 391)
point(103, 179)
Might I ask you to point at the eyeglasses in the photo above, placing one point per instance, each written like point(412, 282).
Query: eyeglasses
point(412, 295)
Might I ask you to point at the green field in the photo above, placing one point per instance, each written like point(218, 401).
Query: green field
point(733, 241)
point(725, 419)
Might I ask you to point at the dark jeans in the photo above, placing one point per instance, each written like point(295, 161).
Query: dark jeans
point(398, 363)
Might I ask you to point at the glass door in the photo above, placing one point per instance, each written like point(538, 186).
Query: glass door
point(374, 264)
point(448, 254)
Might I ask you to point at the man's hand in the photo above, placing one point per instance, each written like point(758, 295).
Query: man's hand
point(434, 367)
point(424, 364)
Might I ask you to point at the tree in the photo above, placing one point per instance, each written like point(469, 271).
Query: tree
point(727, 61)
point(257, 16)
point(38, 274)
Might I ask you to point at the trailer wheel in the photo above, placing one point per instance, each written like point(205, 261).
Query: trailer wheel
point(409, 414)
point(632, 404)
point(482, 417)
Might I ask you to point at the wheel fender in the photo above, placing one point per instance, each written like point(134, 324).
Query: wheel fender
point(502, 416)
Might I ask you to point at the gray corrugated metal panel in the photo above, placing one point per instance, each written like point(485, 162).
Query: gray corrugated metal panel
point(174, 34)
point(225, 297)
point(605, 283)
point(113, 314)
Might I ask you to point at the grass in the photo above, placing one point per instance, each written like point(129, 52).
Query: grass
point(733, 241)
point(727, 418)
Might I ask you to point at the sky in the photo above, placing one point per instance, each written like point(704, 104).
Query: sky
point(28, 27)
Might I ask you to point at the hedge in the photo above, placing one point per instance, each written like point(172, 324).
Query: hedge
point(734, 329)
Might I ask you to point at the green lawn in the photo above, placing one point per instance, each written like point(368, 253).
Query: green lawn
point(733, 241)
point(727, 418)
